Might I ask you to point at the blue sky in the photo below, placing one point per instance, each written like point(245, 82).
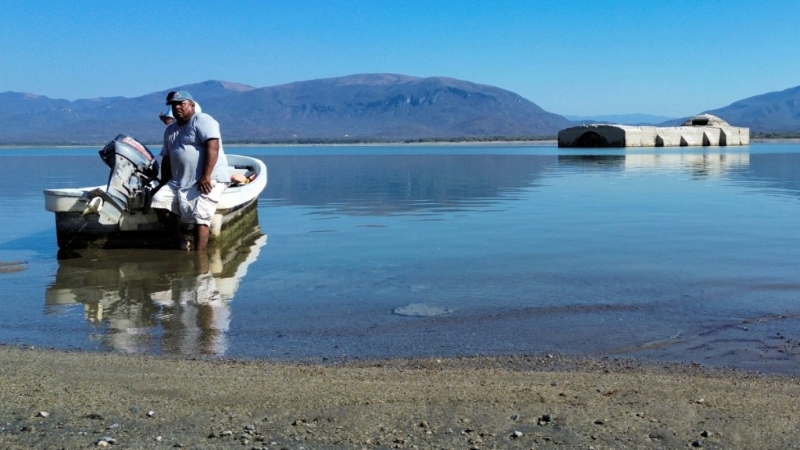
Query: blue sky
point(572, 57)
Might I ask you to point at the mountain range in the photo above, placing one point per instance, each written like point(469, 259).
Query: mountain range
point(366, 107)
point(774, 112)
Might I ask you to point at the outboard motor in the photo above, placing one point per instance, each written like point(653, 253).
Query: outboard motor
point(133, 169)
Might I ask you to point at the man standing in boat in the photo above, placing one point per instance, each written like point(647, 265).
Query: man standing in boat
point(194, 172)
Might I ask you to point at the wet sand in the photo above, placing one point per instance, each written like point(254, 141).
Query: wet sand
point(56, 399)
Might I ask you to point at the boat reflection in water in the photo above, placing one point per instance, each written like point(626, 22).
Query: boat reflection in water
point(157, 301)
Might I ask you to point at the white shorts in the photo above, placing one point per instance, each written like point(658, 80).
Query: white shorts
point(189, 204)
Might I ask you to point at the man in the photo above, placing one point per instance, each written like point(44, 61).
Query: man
point(194, 172)
point(167, 118)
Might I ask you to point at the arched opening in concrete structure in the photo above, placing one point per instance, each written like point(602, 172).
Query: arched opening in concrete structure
point(591, 139)
point(723, 138)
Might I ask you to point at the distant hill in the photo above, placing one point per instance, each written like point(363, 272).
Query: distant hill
point(356, 107)
point(771, 112)
point(35, 119)
point(367, 107)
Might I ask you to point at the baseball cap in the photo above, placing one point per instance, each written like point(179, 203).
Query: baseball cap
point(178, 96)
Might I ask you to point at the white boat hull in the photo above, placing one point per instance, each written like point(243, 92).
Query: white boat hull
point(77, 226)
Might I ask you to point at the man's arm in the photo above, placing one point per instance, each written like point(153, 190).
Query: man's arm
point(166, 170)
point(212, 153)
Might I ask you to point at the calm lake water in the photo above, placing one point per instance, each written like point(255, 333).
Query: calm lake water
point(685, 254)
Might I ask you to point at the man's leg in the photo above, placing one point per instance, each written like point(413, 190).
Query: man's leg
point(171, 223)
point(165, 204)
point(205, 207)
point(200, 237)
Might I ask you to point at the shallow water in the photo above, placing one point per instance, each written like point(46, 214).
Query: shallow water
point(686, 254)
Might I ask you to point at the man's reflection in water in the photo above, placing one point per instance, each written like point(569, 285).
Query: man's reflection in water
point(199, 316)
point(150, 301)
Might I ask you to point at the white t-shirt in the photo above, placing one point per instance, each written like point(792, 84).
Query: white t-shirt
point(185, 146)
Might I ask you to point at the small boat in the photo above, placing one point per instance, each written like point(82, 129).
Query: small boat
point(118, 214)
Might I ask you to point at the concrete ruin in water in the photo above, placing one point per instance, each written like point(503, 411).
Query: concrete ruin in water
point(704, 129)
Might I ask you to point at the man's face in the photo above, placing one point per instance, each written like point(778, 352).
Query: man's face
point(183, 111)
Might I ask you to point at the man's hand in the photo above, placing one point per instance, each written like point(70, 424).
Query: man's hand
point(204, 184)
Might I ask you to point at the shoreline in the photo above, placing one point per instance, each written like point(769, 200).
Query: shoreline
point(52, 398)
point(510, 143)
point(537, 142)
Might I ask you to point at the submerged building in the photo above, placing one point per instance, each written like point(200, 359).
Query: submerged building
point(703, 129)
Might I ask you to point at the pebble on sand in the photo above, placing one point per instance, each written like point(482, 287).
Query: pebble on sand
point(106, 441)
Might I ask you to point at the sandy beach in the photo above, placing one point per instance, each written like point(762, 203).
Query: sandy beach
point(56, 399)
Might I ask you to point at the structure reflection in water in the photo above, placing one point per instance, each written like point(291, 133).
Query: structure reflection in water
point(157, 301)
point(699, 165)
